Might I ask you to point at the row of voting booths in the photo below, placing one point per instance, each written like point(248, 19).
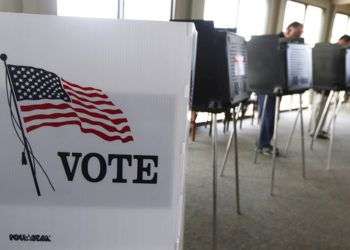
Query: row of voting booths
point(228, 69)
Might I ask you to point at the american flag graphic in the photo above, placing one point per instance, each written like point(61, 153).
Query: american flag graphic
point(46, 100)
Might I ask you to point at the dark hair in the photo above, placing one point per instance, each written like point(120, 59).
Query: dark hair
point(346, 38)
point(295, 25)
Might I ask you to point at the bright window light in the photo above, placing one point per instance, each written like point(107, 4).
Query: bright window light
point(246, 27)
point(295, 12)
point(309, 15)
point(313, 24)
point(224, 13)
point(158, 10)
point(88, 8)
point(340, 27)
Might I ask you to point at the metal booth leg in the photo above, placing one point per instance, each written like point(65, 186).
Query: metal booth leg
point(233, 136)
point(275, 138)
point(302, 135)
point(291, 134)
point(336, 109)
point(214, 147)
point(323, 116)
point(229, 143)
point(260, 131)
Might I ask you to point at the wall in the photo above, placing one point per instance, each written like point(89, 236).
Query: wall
point(11, 5)
point(40, 7)
point(183, 9)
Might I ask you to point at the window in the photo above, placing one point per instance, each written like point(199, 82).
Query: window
point(238, 14)
point(224, 13)
point(246, 27)
point(295, 12)
point(341, 26)
point(313, 24)
point(159, 10)
point(88, 8)
point(311, 16)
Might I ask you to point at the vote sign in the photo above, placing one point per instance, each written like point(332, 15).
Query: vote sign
point(93, 132)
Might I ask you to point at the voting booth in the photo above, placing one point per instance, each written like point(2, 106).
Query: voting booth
point(93, 132)
point(331, 63)
point(279, 66)
point(331, 76)
point(221, 68)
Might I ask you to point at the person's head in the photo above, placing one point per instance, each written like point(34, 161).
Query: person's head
point(294, 30)
point(344, 41)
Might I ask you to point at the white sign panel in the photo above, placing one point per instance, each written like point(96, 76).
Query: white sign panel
point(93, 132)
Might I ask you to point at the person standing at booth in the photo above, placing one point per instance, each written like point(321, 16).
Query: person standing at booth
point(294, 31)
point(319, 100)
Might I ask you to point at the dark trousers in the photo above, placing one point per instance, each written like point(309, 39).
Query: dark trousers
point(268, 121)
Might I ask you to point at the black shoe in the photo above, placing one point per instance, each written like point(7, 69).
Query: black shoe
point(323, 135)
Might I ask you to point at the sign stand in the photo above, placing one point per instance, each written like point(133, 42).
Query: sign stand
point(233, 136)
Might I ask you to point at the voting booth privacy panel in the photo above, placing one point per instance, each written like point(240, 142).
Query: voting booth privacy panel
point(278, 66)
point(93, 132)
point(221, 68)
point(331, 67)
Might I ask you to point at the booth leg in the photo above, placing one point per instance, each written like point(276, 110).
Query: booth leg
point(211, 125)
point(253, 115)
point(323, 116)
point(229, 143)
point(331, 141)
point(228, 147)
point(193, 125)
point(302, 135)
point(292, 133)
point(260, 131)
point(233, 138)
point(238, 208)
point(244, 110)
point(275, 138)
point(214, 147)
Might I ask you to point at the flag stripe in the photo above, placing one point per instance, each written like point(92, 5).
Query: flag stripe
point(112, 120)
point(84, 130)
point(109, 111)
point(89, 101)
point(75, 115)
point(80, 87)
point(103, 96)
point(46, 106)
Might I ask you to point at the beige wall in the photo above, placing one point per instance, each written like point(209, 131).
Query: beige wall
point(40, 7)
point(11, 5)
point(183, 9)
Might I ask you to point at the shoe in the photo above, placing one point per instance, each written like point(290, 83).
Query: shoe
point(323, 135)
point(269, 151)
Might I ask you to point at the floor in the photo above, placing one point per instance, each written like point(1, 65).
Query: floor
point(311, 213)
